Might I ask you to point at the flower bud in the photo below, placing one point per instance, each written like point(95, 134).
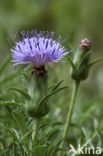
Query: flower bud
point(80, 70)
point(85, 45)
point(31, 110)
point(37, 111)
point(38, 90)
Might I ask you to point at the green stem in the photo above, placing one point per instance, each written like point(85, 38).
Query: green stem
point(67, 126)
point(35, 129)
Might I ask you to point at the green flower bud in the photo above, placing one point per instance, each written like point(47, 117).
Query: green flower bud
point(38, 89)
point(41, 111)
point(31, 110)
point(37, 111)
point(81, 67)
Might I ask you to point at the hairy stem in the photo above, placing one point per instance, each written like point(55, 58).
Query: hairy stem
point(67, 126)
point(35, 129)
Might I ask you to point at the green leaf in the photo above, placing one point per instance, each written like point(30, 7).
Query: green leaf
point(88, 113)
point(57, 123)
point(15, 133)
point(55, 149)
point(26, 77)
point(43, 126)
point(85, 56)
point(26, 80)
point(26, 135)
point(12, 115)
point(27, 96)
point(57, 85)
point(6, 103)
point(20, 119)
point(53, 133)
point(71, 62)
point(50, 94)
point(96, 61)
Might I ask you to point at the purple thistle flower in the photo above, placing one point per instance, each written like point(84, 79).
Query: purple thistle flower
point(37, 49)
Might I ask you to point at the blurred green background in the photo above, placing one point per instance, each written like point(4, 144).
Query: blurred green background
point(73, 20)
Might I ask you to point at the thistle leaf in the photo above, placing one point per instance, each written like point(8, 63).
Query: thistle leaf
point(71, 62)
point(27, 96)
point(25, 135)
point(8, 103)
point(96, 61)
point(85, 56)
point(14, 133)
point(26, 78)
point(50, 94)
point(57, 85)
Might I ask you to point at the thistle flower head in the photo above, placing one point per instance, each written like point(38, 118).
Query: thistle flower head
point(37, 49)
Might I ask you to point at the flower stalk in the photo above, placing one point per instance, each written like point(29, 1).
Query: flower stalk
point(67, 125)
point(80, 71)
point(35, 129)
point(38, 111)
